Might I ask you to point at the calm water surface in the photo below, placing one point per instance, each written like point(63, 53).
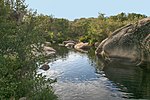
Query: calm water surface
point(81, 76)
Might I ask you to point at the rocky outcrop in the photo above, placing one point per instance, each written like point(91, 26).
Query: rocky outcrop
point(131, 42)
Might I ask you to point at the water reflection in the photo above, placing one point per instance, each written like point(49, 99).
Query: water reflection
point(61, 53)
point(82, 76)
point(129, 79)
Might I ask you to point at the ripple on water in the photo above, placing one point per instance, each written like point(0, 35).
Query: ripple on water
point(88, 90)
point(78, 79)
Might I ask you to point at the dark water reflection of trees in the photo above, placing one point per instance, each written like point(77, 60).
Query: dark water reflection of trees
point(136, 80)
point(130, 79)
point(61, 52)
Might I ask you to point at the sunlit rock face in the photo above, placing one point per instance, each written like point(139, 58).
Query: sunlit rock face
point(131, 42)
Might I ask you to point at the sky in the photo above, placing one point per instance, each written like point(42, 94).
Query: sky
point(74, 9)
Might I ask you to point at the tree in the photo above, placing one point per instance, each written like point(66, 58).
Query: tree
point(18, 77)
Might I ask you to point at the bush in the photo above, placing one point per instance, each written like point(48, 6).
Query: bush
point(18, 77)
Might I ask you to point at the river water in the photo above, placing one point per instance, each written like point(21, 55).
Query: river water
point(82, 76)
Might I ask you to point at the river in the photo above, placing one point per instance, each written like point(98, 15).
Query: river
point(82, 76)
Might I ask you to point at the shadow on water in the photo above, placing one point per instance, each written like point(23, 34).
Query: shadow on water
point(129, 79)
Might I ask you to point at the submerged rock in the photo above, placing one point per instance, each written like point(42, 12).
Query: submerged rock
point(131, 42)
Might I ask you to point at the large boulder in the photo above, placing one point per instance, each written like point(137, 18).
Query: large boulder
point(131, 42)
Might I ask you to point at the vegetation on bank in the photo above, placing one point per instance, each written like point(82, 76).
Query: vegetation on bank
point(20, 28)
point(84, 29)
point(18, 77)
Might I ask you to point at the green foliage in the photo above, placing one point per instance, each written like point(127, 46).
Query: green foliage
point(53, 29)
point(18, 77)
point(20, 29)
point(84, 29)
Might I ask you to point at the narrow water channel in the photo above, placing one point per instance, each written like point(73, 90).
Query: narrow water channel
point(81, 76)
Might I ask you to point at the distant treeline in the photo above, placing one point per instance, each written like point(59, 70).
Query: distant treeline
point(84, 29)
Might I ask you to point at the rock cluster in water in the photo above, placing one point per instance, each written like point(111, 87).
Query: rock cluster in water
point(80, 46)
point(131, 42)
